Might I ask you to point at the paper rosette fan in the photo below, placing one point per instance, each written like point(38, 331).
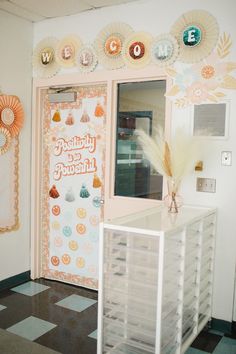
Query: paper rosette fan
point(87, 59)
point(44, 58)
point(197, 32)
point(5, 140)
point(11, 114)
point(136, 51)
point(109, 44)
point(66, 51)
point(164, 50)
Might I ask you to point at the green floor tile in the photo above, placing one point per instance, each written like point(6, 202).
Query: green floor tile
point(31, 328)
point(76, 303)
point(93, 334)
point(30, 288)
point(226, 346)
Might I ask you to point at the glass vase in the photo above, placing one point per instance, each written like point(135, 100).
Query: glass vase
point(173, 200)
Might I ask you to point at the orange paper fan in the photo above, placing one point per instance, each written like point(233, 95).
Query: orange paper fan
point(11, 114)
point(5, 140)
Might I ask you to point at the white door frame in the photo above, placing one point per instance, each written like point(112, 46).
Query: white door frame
point(110, 79)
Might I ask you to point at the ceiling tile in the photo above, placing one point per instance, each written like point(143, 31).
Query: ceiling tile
point(101, 3)
point(37, 10)
point(53, 8)
point(20, 12)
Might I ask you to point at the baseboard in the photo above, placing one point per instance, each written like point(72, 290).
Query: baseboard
point(222, 326)
point(234, 327)
point(14, 281)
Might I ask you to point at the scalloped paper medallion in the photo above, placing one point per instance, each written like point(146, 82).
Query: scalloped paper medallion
point(11, 114)
point(164, 50)
point(109, 44)
point(44, 58)
point(136, 52)
point(66, 51)
point(87, 59)
point(5, 140)
point(197, 33)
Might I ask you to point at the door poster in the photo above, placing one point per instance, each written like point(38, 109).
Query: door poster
point(73, 170)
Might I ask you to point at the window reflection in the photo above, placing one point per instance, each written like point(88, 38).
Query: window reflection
point(141, 105)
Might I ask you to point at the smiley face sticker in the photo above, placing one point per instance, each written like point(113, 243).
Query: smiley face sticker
point(56, 225)
point(56, 210)
point(55, 261)
point(58, 241)
point(67, 231)
point(81, 229)
point(81, 213)
point(73, 245)
point(66, 259)
point(80, 262)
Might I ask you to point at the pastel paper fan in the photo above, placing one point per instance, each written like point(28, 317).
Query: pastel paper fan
point(44, 58)
point(11, 114)
point(136, 51)
point(87, 59)
point(164, 50)
point(66, 51)
point(109, 44)
point(5, 140)
point(197, 33)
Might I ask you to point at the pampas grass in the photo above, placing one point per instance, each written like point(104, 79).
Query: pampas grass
point(172, 159)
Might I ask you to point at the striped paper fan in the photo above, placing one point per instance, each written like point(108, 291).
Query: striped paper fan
point(190, 22)
point(11, 114)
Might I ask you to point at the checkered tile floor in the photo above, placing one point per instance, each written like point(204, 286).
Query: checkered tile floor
point(56, 315)
point(64, 318)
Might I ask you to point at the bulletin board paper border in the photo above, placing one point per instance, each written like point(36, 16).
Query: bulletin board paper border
point(15, 225)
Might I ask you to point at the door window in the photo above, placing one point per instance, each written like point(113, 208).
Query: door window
point(141, 105)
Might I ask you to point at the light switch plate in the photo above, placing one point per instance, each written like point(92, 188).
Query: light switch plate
point(226, 158)
point(206, 185)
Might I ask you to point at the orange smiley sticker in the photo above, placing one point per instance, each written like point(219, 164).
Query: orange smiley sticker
point(81, 229)
point(56, 210)
point(55, 261)
point(66, 259)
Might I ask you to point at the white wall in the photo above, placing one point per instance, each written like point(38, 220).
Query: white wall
point(157, 17)
point(16, 37)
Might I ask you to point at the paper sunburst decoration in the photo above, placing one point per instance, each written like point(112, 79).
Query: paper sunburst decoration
point(5, 140)
point(44, 58)
point(66, 51)
point(11, 114)
point(164, 50)
point(136, 51)
point(109, 44)
point(197, 33)
point(87, 59)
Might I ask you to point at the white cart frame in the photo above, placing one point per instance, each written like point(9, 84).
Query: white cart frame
point(156, 276)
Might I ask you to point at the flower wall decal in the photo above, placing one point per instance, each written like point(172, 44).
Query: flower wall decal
point(205, 81)
point(51, 136)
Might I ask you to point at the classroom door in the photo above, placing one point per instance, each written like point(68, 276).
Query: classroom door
point(72, 186)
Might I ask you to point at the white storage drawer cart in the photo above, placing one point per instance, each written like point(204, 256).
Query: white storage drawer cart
point(155, 287)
